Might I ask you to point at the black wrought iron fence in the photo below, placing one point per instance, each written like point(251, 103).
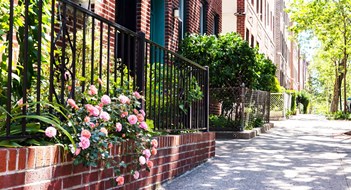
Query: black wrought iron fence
point(53, 51)
point(242, 107)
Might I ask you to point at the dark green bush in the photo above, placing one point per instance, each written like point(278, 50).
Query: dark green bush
point(231, 60)
point(304, 98)
point(222, 123)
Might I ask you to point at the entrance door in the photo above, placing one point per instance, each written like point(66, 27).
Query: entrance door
point(157, 28)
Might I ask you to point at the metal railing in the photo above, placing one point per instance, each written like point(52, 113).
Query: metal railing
point(242, 106)
point(61, 48)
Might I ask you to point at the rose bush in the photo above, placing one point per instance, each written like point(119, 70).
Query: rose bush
point(97, 122)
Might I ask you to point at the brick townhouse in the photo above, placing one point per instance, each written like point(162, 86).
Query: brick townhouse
point(264, 24)
point(165, 22)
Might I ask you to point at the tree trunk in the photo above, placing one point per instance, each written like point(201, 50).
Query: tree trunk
point(337, 85)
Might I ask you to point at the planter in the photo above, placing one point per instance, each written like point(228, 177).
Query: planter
point(47, 167)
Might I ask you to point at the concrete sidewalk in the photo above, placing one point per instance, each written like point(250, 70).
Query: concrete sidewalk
point(305, 152)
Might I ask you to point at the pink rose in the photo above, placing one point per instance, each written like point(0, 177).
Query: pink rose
point(84, 143)
point(147, 153)
point(99, 107)
point(92, 110)
point(92, 90)
point(123, 99)
point(120, 180)
point(154, 143)
point(104, 130)
point(150, 164)
point(104, 116)
point(118, 127)
point(50, 132)
point(132, 119)
point(143, 125)
point(142, 160)
point(105, 100)
point(72, 103)
point(140, 117)
point(85, 133)
point(136, 175)
point(92, 125)
point(135, 111)
point(87, 119)
point(137, 95)
point(153, 151)
point(142, 112)
point(77, 151)
point(20, 102)
point(124, 114)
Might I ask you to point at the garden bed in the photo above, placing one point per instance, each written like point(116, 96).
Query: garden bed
point(47, 167)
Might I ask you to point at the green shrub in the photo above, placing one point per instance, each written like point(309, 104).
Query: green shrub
point(293, 94)
point(304, 98)
point(221, 122)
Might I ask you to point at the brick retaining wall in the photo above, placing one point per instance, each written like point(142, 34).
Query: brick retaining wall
point(46, 167)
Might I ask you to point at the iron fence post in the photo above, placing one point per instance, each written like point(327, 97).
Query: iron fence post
point(140, 64)
point(207, 98)
point(242, 95)
point(269, 106)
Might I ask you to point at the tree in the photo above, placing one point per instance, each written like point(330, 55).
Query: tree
point(330, 22)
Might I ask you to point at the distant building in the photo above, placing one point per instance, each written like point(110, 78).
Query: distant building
point(264, 23)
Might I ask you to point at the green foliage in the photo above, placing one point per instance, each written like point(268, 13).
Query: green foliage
point(255, 123)
point(231, 60)
point(340, 115)
point(304, 98)
point(222, 123)
point(293, 94)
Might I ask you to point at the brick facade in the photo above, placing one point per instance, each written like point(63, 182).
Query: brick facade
point(212, 7)
point(48, 168)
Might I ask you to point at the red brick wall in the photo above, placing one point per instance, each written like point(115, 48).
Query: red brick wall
point(48, 168)
point(193, 15)
point(241, 18)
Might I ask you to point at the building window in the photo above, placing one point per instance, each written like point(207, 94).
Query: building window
point(182, 19)
point(202, 18)
point(253, 2)
point(258, 6)
point(252, 41)
point(247, 35)
point(261, 11)
point(216, 24)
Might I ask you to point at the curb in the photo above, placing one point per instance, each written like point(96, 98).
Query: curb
point(247, 134)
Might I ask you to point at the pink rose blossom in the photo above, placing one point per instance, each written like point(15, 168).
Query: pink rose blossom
point(135, 111)
point(105, 100)
point(77, 151)
point(92, 125)
point(137, 95)
point(147, 153)
point(72, 103)
point(124, 114)
point(140, 117)
point(104, 116)
point(104, 130)
point(154, 143)
point(136, 175)
point(84, 143)
point(87, 119)
point(123, 99)
point(120, 180)
point(142, 112)
point(92, 110)
point(132, 119)
point(85, 133)
point(142, 160)
point(99, 107)
point(50, 132)
point(118, 127)
point(150, 164)
point(20, 102)
point(143, 125)
point(153, 151)
point(92, 90)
